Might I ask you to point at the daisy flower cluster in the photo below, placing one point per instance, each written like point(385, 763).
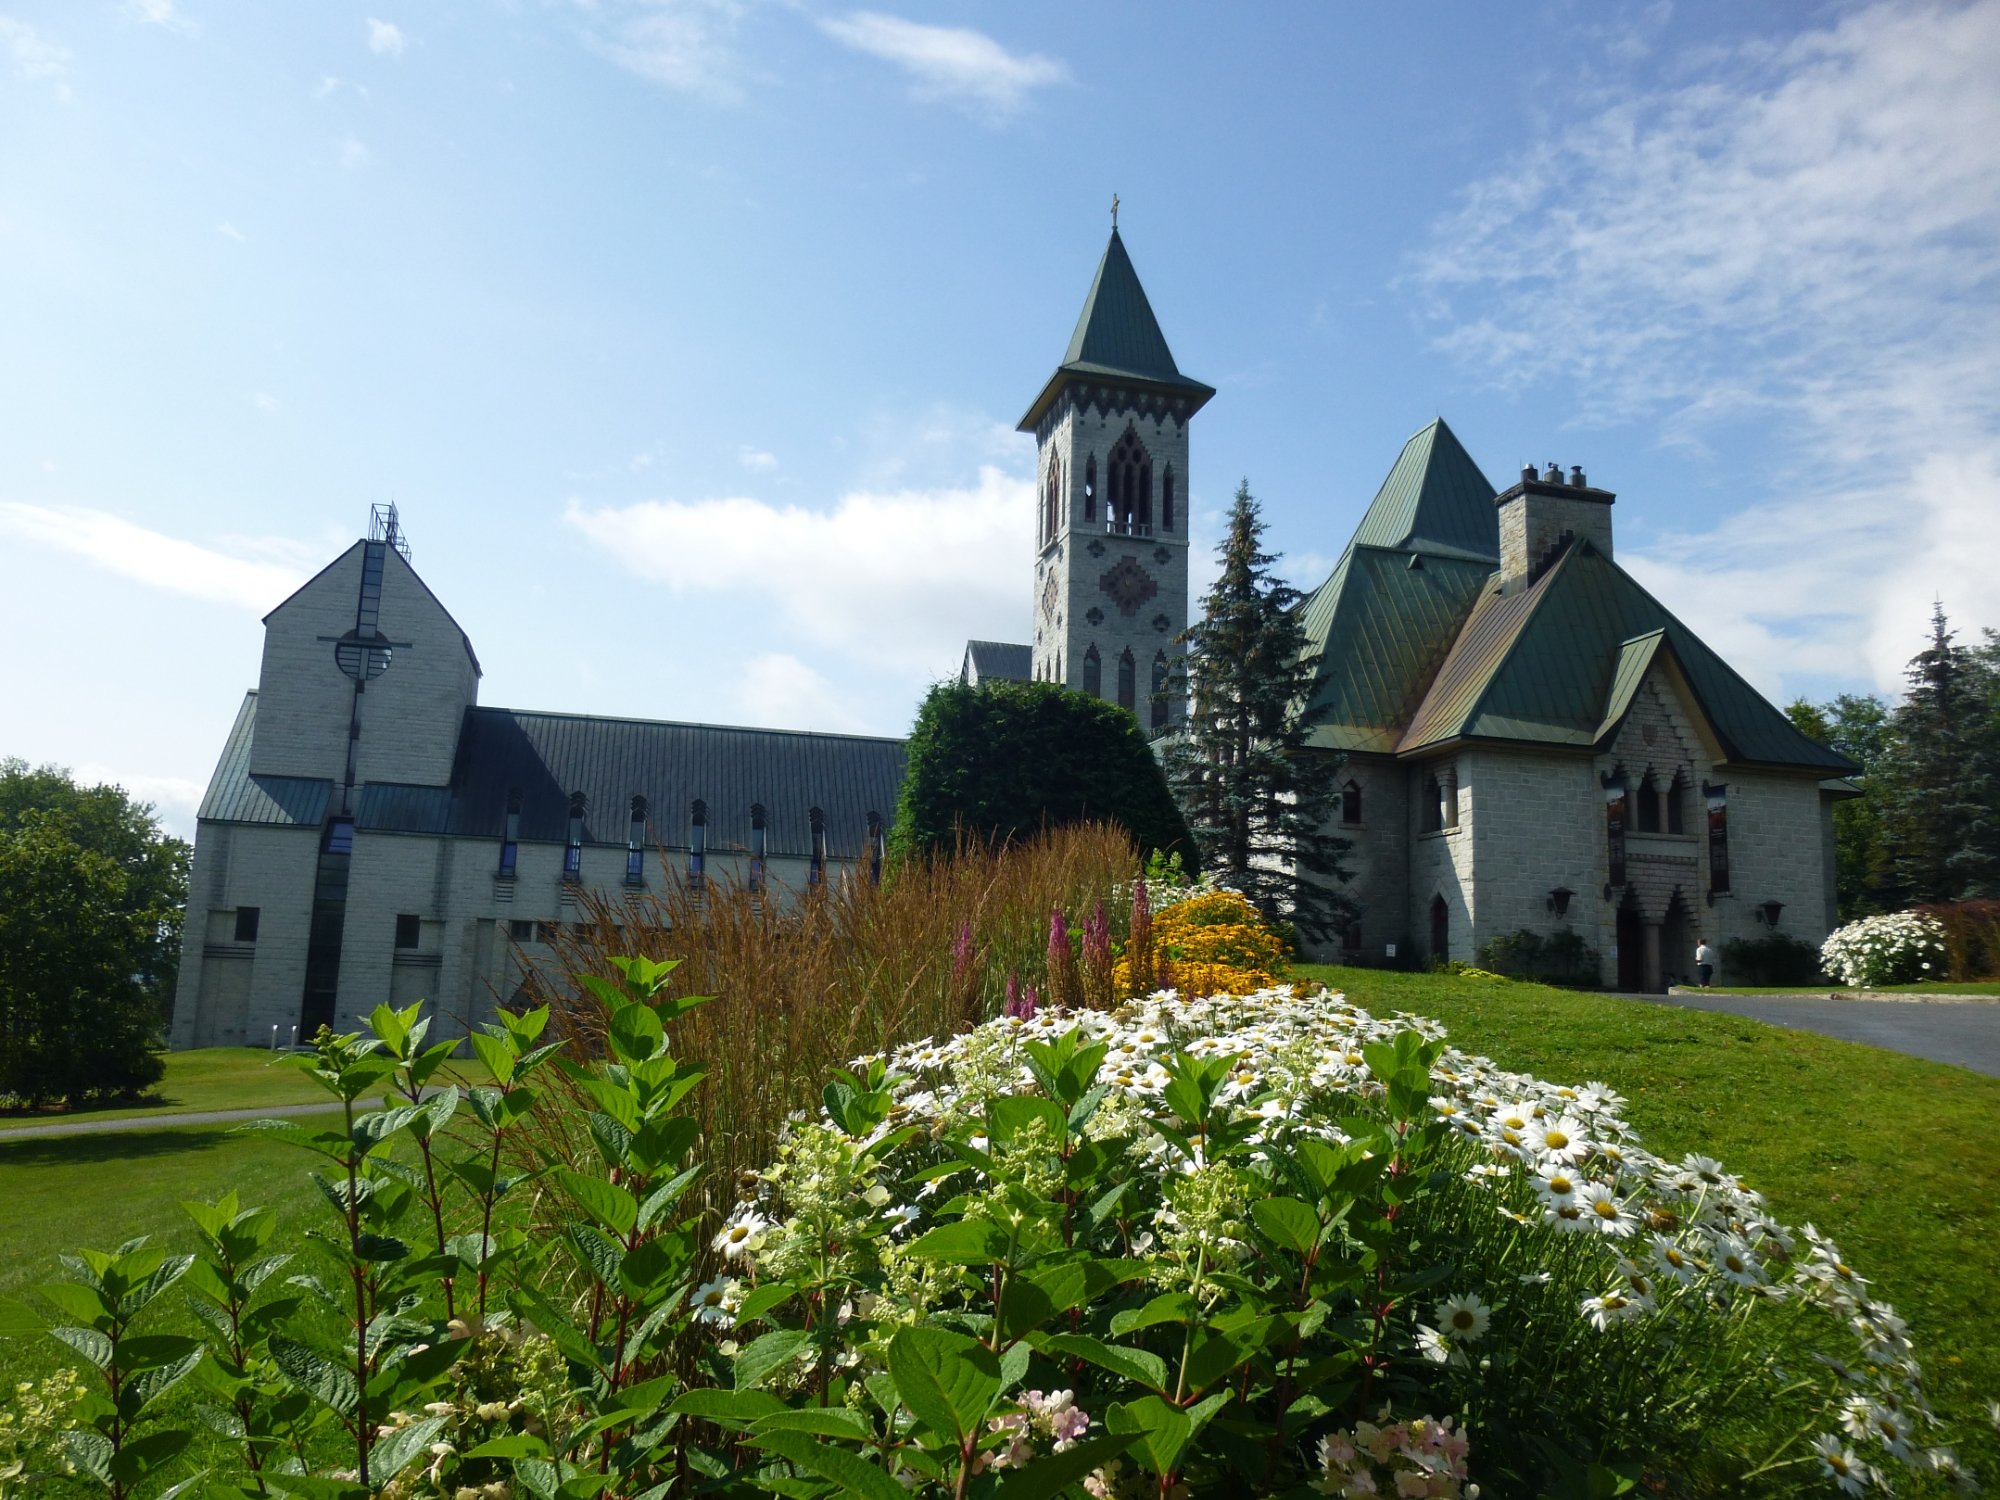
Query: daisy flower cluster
point(1577, 1236)
point(1904, 947)
point(1423, 1457)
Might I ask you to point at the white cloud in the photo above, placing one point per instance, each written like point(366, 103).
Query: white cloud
point(778, 691)
point(174, 798)
point(684, 45)
point(1807, 237)
point(894, 580)
point(333, 83)
point(159, 13)
point(33, 56)
point(952, 64)
point(246, 577)
point(230, 232)
point(386, 38)
point(756, 459)
point(265, 402)
point(354, 154)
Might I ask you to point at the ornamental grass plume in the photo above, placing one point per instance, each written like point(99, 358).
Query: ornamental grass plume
point(1065, 988)
point(1097, 958)
point(1139, 960)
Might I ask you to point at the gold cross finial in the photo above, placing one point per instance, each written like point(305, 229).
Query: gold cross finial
point(1114, 210)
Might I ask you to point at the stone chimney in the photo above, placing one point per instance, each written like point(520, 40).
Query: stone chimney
point(1545, 515)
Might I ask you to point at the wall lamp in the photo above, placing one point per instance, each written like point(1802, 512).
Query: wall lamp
point(1559, 900)
point(1767, 912)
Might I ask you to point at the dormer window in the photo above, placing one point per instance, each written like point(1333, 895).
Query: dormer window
point(757, 848)
point(635, 844)
point(573, 843)
point(697, 843)
point(816, 869)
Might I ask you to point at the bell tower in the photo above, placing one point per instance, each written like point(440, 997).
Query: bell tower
point(1111, 523)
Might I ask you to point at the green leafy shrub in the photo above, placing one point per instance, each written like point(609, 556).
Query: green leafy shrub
point(1004, 761)
point(1772, 959)
point(1561, 957)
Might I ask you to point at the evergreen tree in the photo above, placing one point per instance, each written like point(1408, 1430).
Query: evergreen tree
point(1940, 783)
point(1256, 797)
point(1858, 727)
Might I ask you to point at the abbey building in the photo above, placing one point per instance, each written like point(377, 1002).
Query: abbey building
point(1530, 740)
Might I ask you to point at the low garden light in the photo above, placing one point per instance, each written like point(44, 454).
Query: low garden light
point(1559, 900)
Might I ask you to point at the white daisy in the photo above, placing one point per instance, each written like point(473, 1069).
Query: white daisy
point(1464, 1317)
point(716, 1302)
point(1612, 1307)
point(1839, 1464)
point(1560, 1139)
point(1557, 1183)
point(742, 1235)
point(1604, 1212)
point(1733, 1259)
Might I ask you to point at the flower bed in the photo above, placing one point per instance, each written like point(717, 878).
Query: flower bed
point(1271, 1240)
point(1207, 941)
point(1903, 947)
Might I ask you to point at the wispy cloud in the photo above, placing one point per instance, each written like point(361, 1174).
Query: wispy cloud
point(386, 38)
point(33, 56)
point(883, 577)
point(247, 575)
point(162, 13)
point(950, 64)
point(756, 459)
point(1806, 236)
point(265, 402)
point(354, 154)
point(684, 45)
point(778, 691)
point(332, 83)
point(174, 798)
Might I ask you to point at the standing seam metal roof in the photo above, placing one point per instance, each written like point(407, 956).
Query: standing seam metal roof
point(1435, 498)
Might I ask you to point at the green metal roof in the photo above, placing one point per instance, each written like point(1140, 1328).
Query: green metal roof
point(1118, 338)
point(1560, 661)
point(1380, 625)
point(235, 796)
point(1434, 498)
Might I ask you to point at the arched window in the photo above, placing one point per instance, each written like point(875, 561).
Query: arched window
point(1129, 507)
point(510, 840)
point(816, 870)
point(1649, 804)
point(1350, 804)
point(877, 847)
point(758, 846)
point(697, 842)
point(1167, 499)
point(1440, 928)
point(1128, 681)
point(1159, 690)
point(1090, 488)
point(1093, 673)
point(1052, 501)
point(1677, 803)
point(573, 846)
point(635, 844)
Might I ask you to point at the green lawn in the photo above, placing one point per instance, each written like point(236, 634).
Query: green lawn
point(1898, 1159)
point(215, 1078)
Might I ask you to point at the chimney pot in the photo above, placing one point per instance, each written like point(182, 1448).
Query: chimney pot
point(1527, 473)
point(1576, 475)
point(1555, 473)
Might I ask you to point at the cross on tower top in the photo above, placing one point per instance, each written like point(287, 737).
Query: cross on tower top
point(1114, 210)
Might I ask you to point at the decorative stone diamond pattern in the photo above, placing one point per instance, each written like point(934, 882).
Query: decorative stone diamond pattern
point(1049, 596)
point(1162, 624)
point(1095, 549)
point(1095, 615)
point(1162, 556)
point(1128, 584)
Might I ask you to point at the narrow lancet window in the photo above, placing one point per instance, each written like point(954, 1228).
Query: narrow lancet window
point(1159, 693)
point(1090, 488)
point(573, 845)
point(1167, 499)
point(635, 844)
point(816, 870)
point(1093, 673)
point(878, 846)
point(1128, 681)
point(757, 848)
point(510, 839)
point(697, 843)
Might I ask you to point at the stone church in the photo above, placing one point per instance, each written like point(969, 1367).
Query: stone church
point(1530, 740)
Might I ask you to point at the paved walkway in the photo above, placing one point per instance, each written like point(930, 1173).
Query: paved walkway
point(166, 1122)
point(1946, 1030)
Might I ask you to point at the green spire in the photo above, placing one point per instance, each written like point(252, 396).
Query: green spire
point(1118, 338)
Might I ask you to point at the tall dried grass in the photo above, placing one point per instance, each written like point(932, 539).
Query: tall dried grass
point(1971, 937)
point(803, 981)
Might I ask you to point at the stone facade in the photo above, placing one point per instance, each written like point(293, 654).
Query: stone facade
point(1105, 585)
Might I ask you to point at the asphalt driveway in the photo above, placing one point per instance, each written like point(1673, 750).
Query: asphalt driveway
point(1965, 1033)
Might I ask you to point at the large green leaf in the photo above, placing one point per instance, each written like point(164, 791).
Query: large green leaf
point(1286, 1222)
point(606, 1202)
point(946, 1379)
point(762, 1356)
point(392, 1454)
point(964, 1242)
point(823, 1421)
point(316, 1375)
point(715, 1404)
point(1140, 1365)
point(855, 1476)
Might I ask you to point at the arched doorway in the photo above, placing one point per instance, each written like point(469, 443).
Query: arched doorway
point(1440, 929)
point(1677, 937)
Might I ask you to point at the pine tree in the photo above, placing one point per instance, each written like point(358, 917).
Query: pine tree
point(1940, 783)
point(1256, 797)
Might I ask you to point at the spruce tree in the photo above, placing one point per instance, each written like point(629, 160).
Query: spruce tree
point(1256, 796)
point(1940, 784)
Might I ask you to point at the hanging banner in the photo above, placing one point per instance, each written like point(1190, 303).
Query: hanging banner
point(1616, 809)
point(1717, 800)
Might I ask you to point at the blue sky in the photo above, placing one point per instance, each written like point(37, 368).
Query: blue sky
point(689, 335)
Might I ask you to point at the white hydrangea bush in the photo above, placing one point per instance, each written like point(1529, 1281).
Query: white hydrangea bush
point(1904, 947)
point(1577, 1256)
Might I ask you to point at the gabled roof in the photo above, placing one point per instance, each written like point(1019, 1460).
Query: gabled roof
point(549, 756)
point(1434, 498)
point(471, 655)
point(1379, 626)
point(996, 661)
point(1118, 338)
point(1559, 662)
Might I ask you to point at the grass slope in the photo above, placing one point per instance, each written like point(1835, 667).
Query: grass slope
point(1898, 1159)
point(215, 1078)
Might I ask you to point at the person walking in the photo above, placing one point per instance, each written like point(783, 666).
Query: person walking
point(1704, 961)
